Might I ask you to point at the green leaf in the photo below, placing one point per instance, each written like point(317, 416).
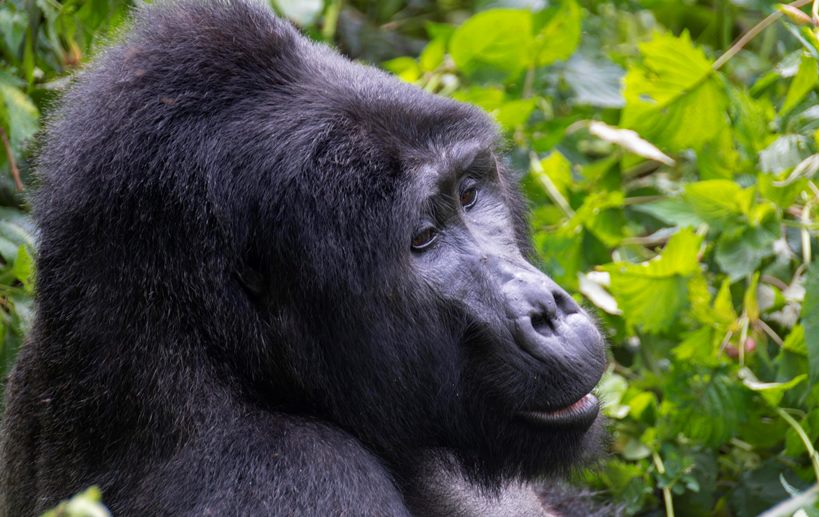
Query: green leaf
point(810, 321)
point(23, 268)
point(596, 82)
point(710, 411)
point(602, 216)
point(772, 392)
point(673, 210)
point(493, 42)
point(804, 82)
point(433, 54)
point(559, 172)
point(742, 249)
point(671, 92)
point(558, 38)
point(717, 202)
point(653, 293)
point(20, 114)
point(405, 68)
point(696, 346)
point(718, 159)
point(795, 341)
point(514, 113)
point(785, 152)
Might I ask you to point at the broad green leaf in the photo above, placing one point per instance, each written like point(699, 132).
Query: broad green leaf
point(601, 214)
point(653, 293)
point(750, 119)
point(741, 249)
point(710, 411)
point(433, 54)
point(560, 35)
point(672, 210)
point(561, 252)
point(514, 113)
point(596, 82)
point(13, 234)
point(718, 202)
point(489, 98)
point(497, 41)
point(672, 92)
point(718, 159)
point(795, 341)
point(20, 114)
point(804, 82)
point(810, 321)
point(696, 345)
point(13, 28)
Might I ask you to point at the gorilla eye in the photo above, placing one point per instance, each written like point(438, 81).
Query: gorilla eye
point(469, 197)
point(424, 238)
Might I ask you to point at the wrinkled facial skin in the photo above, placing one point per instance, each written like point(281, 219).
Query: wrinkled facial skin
point(530, 354)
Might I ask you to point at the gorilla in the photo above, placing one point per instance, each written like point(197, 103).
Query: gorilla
point(275, 282)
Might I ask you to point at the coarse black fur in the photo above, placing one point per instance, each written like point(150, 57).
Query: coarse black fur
point(230, 317)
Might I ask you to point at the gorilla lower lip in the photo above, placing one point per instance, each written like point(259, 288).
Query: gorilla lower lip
point(578, 414)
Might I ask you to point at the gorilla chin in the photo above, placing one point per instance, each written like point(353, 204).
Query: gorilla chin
point(272, 281)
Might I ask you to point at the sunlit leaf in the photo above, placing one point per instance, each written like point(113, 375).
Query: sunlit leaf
point(493, 42)
point(804, 82)
point(559, 36)
point(671, 91)
point(652, 294)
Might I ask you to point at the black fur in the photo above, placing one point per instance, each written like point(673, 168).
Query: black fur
point(230, 320)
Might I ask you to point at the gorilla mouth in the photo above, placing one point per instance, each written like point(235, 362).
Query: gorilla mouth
point(579, 414)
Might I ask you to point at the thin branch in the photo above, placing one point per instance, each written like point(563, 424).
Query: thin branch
point(772, 280)
point(768, 330)
point(754, 32)
point(15, 172)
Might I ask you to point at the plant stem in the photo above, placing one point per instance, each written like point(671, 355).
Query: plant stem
point(814, 459)
point(752, 33)
point(669, 503)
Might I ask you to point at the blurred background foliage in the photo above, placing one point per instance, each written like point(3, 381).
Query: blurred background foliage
point(671, 175)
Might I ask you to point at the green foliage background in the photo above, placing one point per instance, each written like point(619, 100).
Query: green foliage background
point(673, 190)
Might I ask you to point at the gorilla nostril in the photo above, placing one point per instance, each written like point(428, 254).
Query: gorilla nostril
point(565, 304)
point(543, 324)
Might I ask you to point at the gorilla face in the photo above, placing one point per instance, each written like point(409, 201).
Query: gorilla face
point(529, 355)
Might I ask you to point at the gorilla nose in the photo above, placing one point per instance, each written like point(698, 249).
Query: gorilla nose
point(551, 327)
point(533, 296)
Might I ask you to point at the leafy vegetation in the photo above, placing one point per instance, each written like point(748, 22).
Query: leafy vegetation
point(672, 179)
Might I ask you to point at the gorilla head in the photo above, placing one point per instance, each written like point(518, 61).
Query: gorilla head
point(245, 238)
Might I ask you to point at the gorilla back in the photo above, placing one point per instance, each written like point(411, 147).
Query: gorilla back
point(272, 281)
